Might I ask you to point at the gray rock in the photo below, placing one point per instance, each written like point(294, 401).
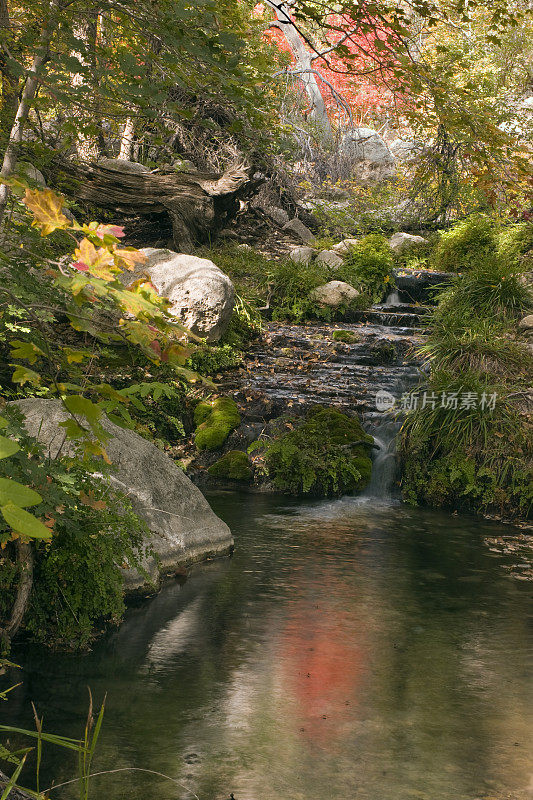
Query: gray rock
point(399, 242)
point(31, 173)
point(526, 323)
point(407, 151)
point(329, 259)
point(368, 154)
point(344, 247)
point(183, 528)
point(302, 254)
point(183, 165)
point(335, 294)
point(201, 295)
point(279, 215)
point(297, 227)
point(122, 165)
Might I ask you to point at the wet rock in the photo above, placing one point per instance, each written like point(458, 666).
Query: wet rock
point(201, 295)
point(335, 294)
point(302, 254)
point(329, 259)
point(400, 242)
point(300, 230)
point(183, 528)
point(415, 286)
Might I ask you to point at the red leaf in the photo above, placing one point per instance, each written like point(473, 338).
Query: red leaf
point(80, 266)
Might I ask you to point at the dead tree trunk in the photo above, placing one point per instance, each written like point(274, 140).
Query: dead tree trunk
point(198, 204)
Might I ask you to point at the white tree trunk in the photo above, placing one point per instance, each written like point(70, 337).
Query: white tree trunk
point(126, 143)
point(305, 70)
point(28, 94)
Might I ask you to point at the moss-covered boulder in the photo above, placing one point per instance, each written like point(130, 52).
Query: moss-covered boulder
point(326, 455)
point(233, 466)
point(349, 337)
point(215, 420)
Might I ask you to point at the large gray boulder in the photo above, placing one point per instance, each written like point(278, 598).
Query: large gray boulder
point(368, 154)
point(328, 258)
point(400, 242)
point(201, 295)
point(302, 254)
point(301, 231)
point(183, 528)
point(334, 294)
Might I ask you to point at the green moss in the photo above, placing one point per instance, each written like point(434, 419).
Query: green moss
point(233, 466)
point(215, 420)
point(326, 455)
point(345, 336)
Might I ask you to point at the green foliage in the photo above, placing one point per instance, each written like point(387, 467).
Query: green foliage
point(78, 582)
point(467, 245)
point(290, 285)
point(215, 420)
point(368, 266)
point(345, 336)
point(245, 324)
point(233, 465)
point(212, 358)
point(326, 455)
point(476, 458)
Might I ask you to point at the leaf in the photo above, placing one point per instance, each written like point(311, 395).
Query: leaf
point(88, 500)
point(24, 375)
point(81, 406)
point(23, 522)
point(128, 257)
point(46, 207)
point(27, 350)
point(97, 262)
point(8, 447)
point(14, 492)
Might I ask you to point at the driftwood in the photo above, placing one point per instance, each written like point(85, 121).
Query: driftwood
point(198, 204)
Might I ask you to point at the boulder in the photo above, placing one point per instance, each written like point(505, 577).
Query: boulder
point(399, 242)
point(33, 175)
point(329, 259)
point(368, 154)
point(183, 528)
point(334, 294)
point(407, 151)
point(278, 215)
point(526, 323)
point(301, 231)
point(201, 295)
point(302, 254)
point(344, 247)
point(122, 165)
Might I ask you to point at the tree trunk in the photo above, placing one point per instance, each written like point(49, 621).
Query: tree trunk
point(89, 145)
point(126, 143)
point(8, 100)
point(28, 94)
point(197, 204)
point(305, 68)
point(25, 565)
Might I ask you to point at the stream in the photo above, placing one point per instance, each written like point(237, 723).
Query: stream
point(354, 648)
point(349, 649)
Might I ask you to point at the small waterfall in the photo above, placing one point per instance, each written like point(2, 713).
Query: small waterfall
point(393, 299)
point(384, 459)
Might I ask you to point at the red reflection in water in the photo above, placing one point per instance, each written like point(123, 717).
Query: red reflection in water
point(324, 660)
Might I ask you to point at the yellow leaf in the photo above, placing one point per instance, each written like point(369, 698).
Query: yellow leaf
point(97, 262)
point(128, 257)
point(46, 207)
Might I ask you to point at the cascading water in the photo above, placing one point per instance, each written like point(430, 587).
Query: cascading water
point(384, 458)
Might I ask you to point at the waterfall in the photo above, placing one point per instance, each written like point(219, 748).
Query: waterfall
point(385, 430)
point(393, 299)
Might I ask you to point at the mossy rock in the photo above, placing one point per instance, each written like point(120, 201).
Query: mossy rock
point(345, 336)
point(327, 455)
point(233, 466)
point(215, 420)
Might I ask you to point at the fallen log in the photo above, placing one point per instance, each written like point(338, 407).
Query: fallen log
point(198, 204)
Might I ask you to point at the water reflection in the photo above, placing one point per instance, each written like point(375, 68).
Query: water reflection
point(348, 650)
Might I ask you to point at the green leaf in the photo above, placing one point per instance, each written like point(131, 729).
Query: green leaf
point(3, 422)
point(81, 406)
point(24, 375)
point(8, 447)
point(27, 350)
point(17, 493)
point(24, 523)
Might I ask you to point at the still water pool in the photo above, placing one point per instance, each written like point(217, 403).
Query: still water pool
point(348, 650)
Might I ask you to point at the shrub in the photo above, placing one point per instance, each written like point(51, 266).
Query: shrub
point(233, 466)
point(368, 266)
point(211, 358)
point(215, 420)
point(326, 455)
point(467, 245)
point(290, 285)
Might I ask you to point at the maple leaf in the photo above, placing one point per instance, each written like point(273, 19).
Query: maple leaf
point(97, 262)
point(128, 257)
point(46, 207)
